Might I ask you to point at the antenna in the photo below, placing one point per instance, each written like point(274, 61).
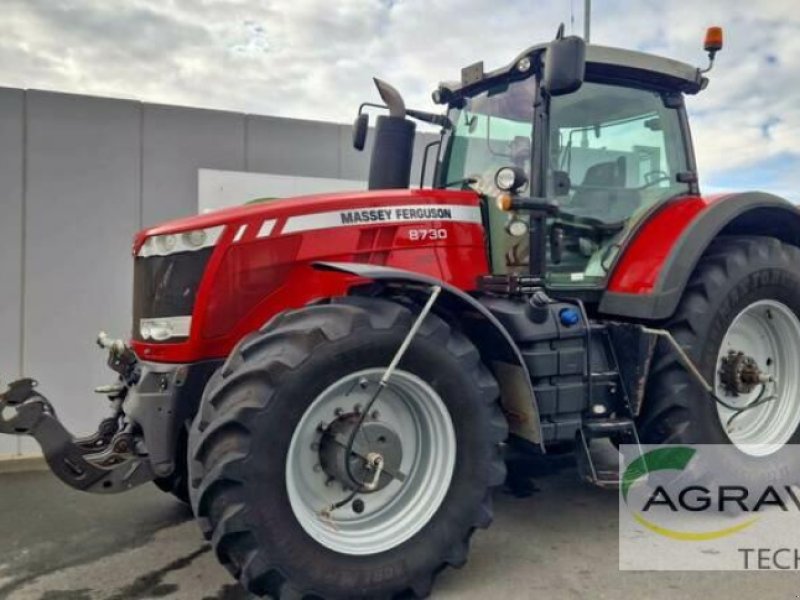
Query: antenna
point(587, 19)
point(572, 17)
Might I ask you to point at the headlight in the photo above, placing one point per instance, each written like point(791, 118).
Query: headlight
point(516, 227)
point(165, 328)
point(510, 179)
point(195, 239)
point(172, 243)
point(166, 243)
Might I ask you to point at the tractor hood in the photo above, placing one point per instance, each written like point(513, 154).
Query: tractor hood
point(203, 282)
point(345, 204)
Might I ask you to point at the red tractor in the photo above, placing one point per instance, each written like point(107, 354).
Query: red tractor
point(336, 382)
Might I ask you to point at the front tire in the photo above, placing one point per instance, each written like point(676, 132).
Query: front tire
point(264, 416)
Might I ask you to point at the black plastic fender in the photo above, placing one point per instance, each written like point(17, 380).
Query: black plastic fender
point(743, 214)
point(484, 330)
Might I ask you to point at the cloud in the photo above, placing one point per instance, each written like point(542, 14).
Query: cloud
point(315, 58)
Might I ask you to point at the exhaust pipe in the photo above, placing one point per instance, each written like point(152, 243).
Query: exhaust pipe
point(393, 149)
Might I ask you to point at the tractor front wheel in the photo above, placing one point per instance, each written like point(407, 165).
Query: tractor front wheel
point(303, 494)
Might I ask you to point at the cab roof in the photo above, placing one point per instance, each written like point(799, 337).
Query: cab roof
point(602, 62)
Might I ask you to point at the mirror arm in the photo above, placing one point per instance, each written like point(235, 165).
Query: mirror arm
point(427, 117)
point(371, 105)
point(420, 115)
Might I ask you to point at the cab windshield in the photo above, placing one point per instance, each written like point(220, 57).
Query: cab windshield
point(492, 129)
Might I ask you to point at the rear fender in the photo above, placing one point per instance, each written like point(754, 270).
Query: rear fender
point(650, 276)
point(496, 346)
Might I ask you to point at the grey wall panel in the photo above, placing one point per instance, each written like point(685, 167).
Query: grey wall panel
point(82, 208)
point(292, 147)
point(11, 180)
point(176, 143)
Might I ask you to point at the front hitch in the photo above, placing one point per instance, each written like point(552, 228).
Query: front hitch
point(105, 462)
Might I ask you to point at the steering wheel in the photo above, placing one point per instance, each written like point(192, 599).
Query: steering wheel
point(652, 178)
point(579, 222)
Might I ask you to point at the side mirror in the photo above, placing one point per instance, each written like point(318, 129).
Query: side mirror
point(360, 128)
point(564, 66)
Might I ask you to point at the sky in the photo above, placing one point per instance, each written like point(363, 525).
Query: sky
point(314, 59)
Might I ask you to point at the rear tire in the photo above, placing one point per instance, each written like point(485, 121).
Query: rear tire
point(735, 275)
point(242, 434)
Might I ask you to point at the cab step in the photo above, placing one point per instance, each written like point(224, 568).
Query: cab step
point(597, 457)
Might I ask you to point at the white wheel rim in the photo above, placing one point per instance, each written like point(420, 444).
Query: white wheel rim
point(769, 332)
point(397, 512)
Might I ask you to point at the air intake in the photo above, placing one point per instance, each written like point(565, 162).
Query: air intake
point(392, 153)
point(394, 143)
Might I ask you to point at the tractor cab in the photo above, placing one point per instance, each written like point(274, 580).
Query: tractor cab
point(606, 147)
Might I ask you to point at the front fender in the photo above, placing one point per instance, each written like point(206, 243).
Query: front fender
point(497, 347)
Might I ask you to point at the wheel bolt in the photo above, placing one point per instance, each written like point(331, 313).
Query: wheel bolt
point(358, 506)
point(376, 415)
point(322, 426)
point(329, 482)
point(363, 382)
point(338, 412)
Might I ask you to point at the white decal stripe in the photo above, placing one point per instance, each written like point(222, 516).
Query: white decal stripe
point(384, 215)
point(266, 228)
point(240, 233)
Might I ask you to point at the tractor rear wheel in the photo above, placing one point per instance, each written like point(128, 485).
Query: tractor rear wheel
point(289, 511)
point(738, 322)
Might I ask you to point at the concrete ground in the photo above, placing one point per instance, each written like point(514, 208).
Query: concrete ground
point(560, 543)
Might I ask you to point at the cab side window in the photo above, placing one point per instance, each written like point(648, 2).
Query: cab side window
point(615, 151)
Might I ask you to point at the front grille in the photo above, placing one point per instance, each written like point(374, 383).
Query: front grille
point(166, 286)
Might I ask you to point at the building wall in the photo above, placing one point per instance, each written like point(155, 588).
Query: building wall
point(79, 175)
point(12, 144)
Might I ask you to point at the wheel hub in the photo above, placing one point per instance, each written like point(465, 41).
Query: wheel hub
point(414, 477)
point(739, 374)
point(374, 461)
point(764, 384)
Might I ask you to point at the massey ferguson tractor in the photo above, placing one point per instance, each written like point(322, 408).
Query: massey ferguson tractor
point(336, 382)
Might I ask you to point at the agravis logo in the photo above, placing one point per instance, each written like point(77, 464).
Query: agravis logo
point(735, 514)
point(691, 498)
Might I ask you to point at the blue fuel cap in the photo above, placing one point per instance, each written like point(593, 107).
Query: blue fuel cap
point(569, 317)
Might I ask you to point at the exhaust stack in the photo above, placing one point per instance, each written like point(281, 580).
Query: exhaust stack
point(393, 149)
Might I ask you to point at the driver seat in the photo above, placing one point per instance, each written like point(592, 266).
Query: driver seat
point(603, 194)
